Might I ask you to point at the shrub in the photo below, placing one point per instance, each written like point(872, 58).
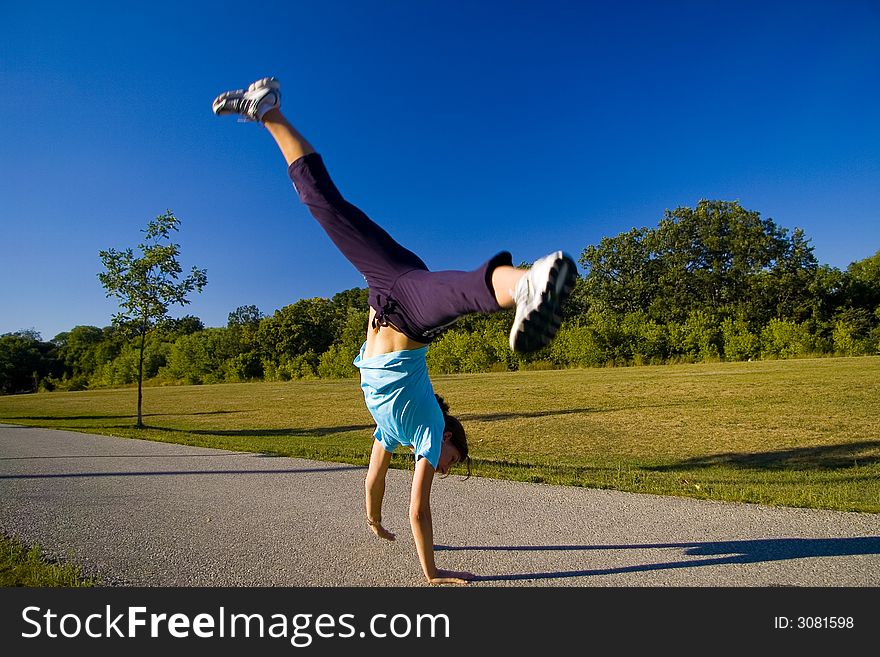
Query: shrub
point(646, 340)
point(336, 362)
point(739, 342)
point(577, 346)
point(301, 366)
point(785, 339)
point(849, 339)
point(458, 351)
point(245, 366)
point(699, 338)
point(200, 357)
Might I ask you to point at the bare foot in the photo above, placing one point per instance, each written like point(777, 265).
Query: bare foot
point(380, 531)
point(451, 577)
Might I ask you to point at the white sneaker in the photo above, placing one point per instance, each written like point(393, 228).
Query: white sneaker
point(539, 296)
point(251, 103)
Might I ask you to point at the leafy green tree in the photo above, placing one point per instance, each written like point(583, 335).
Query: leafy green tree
point(852, 332)
point(114, 340)
point(147, 285)
point(478, 343)
point(458, 351)
point(79, 349)
point(202, 357)
point(23, 362)
point(304, 327)
point(578, 304)
point(337, 361)
point(347, 305)
point(244, 316)
point(242, 328)
point(651, 294)
point(647, 341)
point(858, 309)
point(739, 342)
point(864, 283)
point(173, 328)
point(827, 294)
point(578, 346)
point(791, 281)
point(782, 338)
point(719, 256)
point(621, 272)
point(697, 338)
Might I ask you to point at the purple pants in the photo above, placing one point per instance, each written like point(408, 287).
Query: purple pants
point(417, 302)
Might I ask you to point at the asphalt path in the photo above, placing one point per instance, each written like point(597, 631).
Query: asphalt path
point(142, 513)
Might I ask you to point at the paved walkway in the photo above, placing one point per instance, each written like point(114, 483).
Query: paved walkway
point(146, 513)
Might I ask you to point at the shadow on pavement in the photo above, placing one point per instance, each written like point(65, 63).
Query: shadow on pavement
point(725, 552)
point(157, 473)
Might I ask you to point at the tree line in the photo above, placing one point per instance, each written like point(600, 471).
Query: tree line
point(713, 282)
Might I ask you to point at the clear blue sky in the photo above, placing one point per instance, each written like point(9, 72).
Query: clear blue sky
point(463, 127)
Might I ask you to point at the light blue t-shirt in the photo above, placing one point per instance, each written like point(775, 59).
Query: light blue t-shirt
point(401, 400)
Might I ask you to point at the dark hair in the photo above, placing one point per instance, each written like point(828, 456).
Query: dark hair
point(458, 438)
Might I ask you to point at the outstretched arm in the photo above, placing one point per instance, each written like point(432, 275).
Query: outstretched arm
point(423, 527)
point(374, 488)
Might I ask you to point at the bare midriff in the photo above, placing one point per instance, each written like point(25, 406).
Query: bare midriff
point(386, 339)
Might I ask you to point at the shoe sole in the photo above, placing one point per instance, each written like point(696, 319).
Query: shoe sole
point(271, 83)
point(217, 105)
point(263, 83)
point(538, 328)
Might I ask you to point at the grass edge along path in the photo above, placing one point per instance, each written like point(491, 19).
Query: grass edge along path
point(785, 433)
point(27, 566)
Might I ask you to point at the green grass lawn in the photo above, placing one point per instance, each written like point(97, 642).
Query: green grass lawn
point(26, 566)
point(793, 433)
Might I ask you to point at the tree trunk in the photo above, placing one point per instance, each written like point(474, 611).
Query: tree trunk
point(140, 422)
